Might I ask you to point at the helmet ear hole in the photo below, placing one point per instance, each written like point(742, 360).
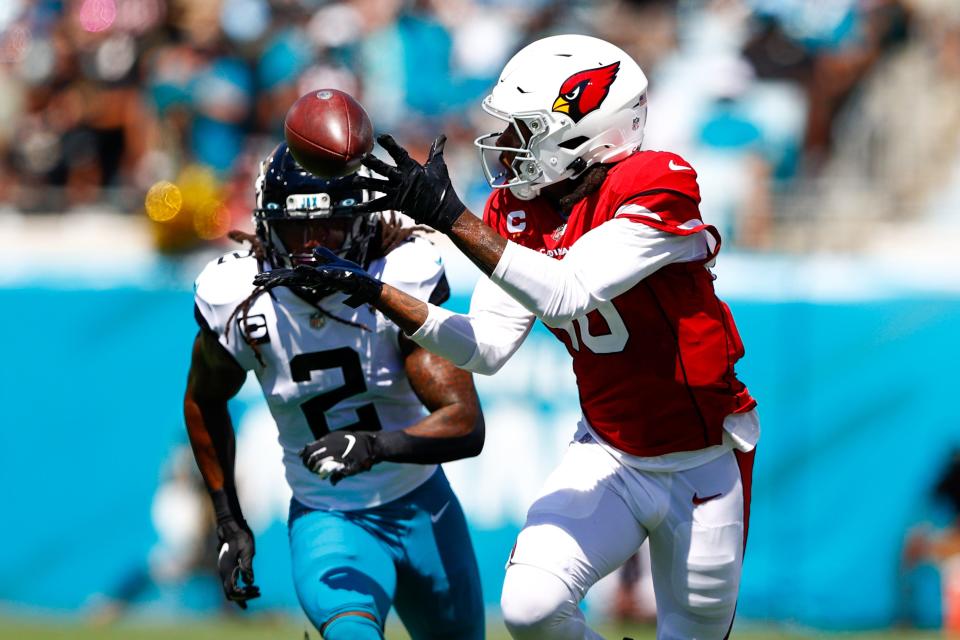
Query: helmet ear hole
point(573, 143)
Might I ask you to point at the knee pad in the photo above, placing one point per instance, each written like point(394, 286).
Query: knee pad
point(705, 596)
point(537, 604)
point(350, 626)
point(713, 582)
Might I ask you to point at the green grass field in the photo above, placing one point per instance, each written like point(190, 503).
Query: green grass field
point(264, 629)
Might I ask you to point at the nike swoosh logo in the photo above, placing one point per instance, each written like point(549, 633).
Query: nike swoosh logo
point(353, 441)
point(697, 500)
point(223, 550)
point(678, 167)
point(439, 514)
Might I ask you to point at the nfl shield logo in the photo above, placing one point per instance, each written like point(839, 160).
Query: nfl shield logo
point(317, 320)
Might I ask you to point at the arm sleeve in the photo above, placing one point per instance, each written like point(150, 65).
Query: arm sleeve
point(400, 446)
point(483, 340)
point(606, 262)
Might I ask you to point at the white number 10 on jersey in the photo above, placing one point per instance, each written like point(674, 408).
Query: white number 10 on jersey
point(612, 342)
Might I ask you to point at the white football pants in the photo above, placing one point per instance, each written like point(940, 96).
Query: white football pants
point(593, 514)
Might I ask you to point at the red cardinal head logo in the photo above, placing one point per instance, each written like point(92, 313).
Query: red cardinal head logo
point(584, 91)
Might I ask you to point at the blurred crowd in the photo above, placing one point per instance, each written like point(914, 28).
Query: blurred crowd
point(795, 112)
point(930, 568)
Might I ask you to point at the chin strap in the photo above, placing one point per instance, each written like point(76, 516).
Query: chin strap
point(525, 191)
point(578, 166)
point(529, 191)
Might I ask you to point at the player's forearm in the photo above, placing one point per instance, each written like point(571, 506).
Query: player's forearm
point(552, 290)
point(213, 379)
point(451, 433)
point(477, 241)
point(210, 431)
point(453, 430)
point(407, 312)
point(482, 341)
point(455, 337)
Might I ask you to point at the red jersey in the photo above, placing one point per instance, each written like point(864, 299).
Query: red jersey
point(655, 365)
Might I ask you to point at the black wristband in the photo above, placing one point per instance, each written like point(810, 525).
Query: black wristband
point(223, 510)
point(400, 446)
point(221, 505)
point(449, 211)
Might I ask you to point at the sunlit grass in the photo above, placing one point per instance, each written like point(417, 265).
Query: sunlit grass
point(264, 628)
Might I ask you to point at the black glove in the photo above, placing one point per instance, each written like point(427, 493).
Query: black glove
point(299, 276)
point(423, 192)
point(340, 454)
point(349, 184)
point(331, 271)
point(235, 559)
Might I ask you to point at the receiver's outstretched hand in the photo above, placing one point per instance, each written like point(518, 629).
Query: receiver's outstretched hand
point(422, 191)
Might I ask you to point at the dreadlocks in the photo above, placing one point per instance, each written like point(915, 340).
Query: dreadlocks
point(242, 310)
point(589, 182)
point(256, 247)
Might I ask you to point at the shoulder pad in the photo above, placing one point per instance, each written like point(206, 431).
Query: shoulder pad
point(414, 267)
point(226, 279)
point(651, 171)
point(415, 260)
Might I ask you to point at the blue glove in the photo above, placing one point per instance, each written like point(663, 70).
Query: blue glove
point(332, 272)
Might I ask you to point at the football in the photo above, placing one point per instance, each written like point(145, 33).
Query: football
point(328, 132)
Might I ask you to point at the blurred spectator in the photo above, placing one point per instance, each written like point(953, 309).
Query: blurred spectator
point(733, 173)
point(186, 545)
point(634, 600)
point(895, 142)
point(941, 548)
point(102, 99)
point(938, 547)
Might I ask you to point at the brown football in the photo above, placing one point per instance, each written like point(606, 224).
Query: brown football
point(328, 132)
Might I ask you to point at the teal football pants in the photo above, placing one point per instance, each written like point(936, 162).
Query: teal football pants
point(414, 552)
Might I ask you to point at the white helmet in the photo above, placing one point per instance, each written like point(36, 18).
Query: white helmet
point(581, 99)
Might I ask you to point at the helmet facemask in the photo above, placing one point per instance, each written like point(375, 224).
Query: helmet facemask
point(519, 168)
point(292, 241)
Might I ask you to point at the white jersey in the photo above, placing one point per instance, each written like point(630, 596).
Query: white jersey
point(319, 374)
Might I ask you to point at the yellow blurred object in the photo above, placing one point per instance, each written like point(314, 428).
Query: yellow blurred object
point(163, 201)
point(201, 211)
point(212, 221)
point(200, 186)
point(203, 195)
